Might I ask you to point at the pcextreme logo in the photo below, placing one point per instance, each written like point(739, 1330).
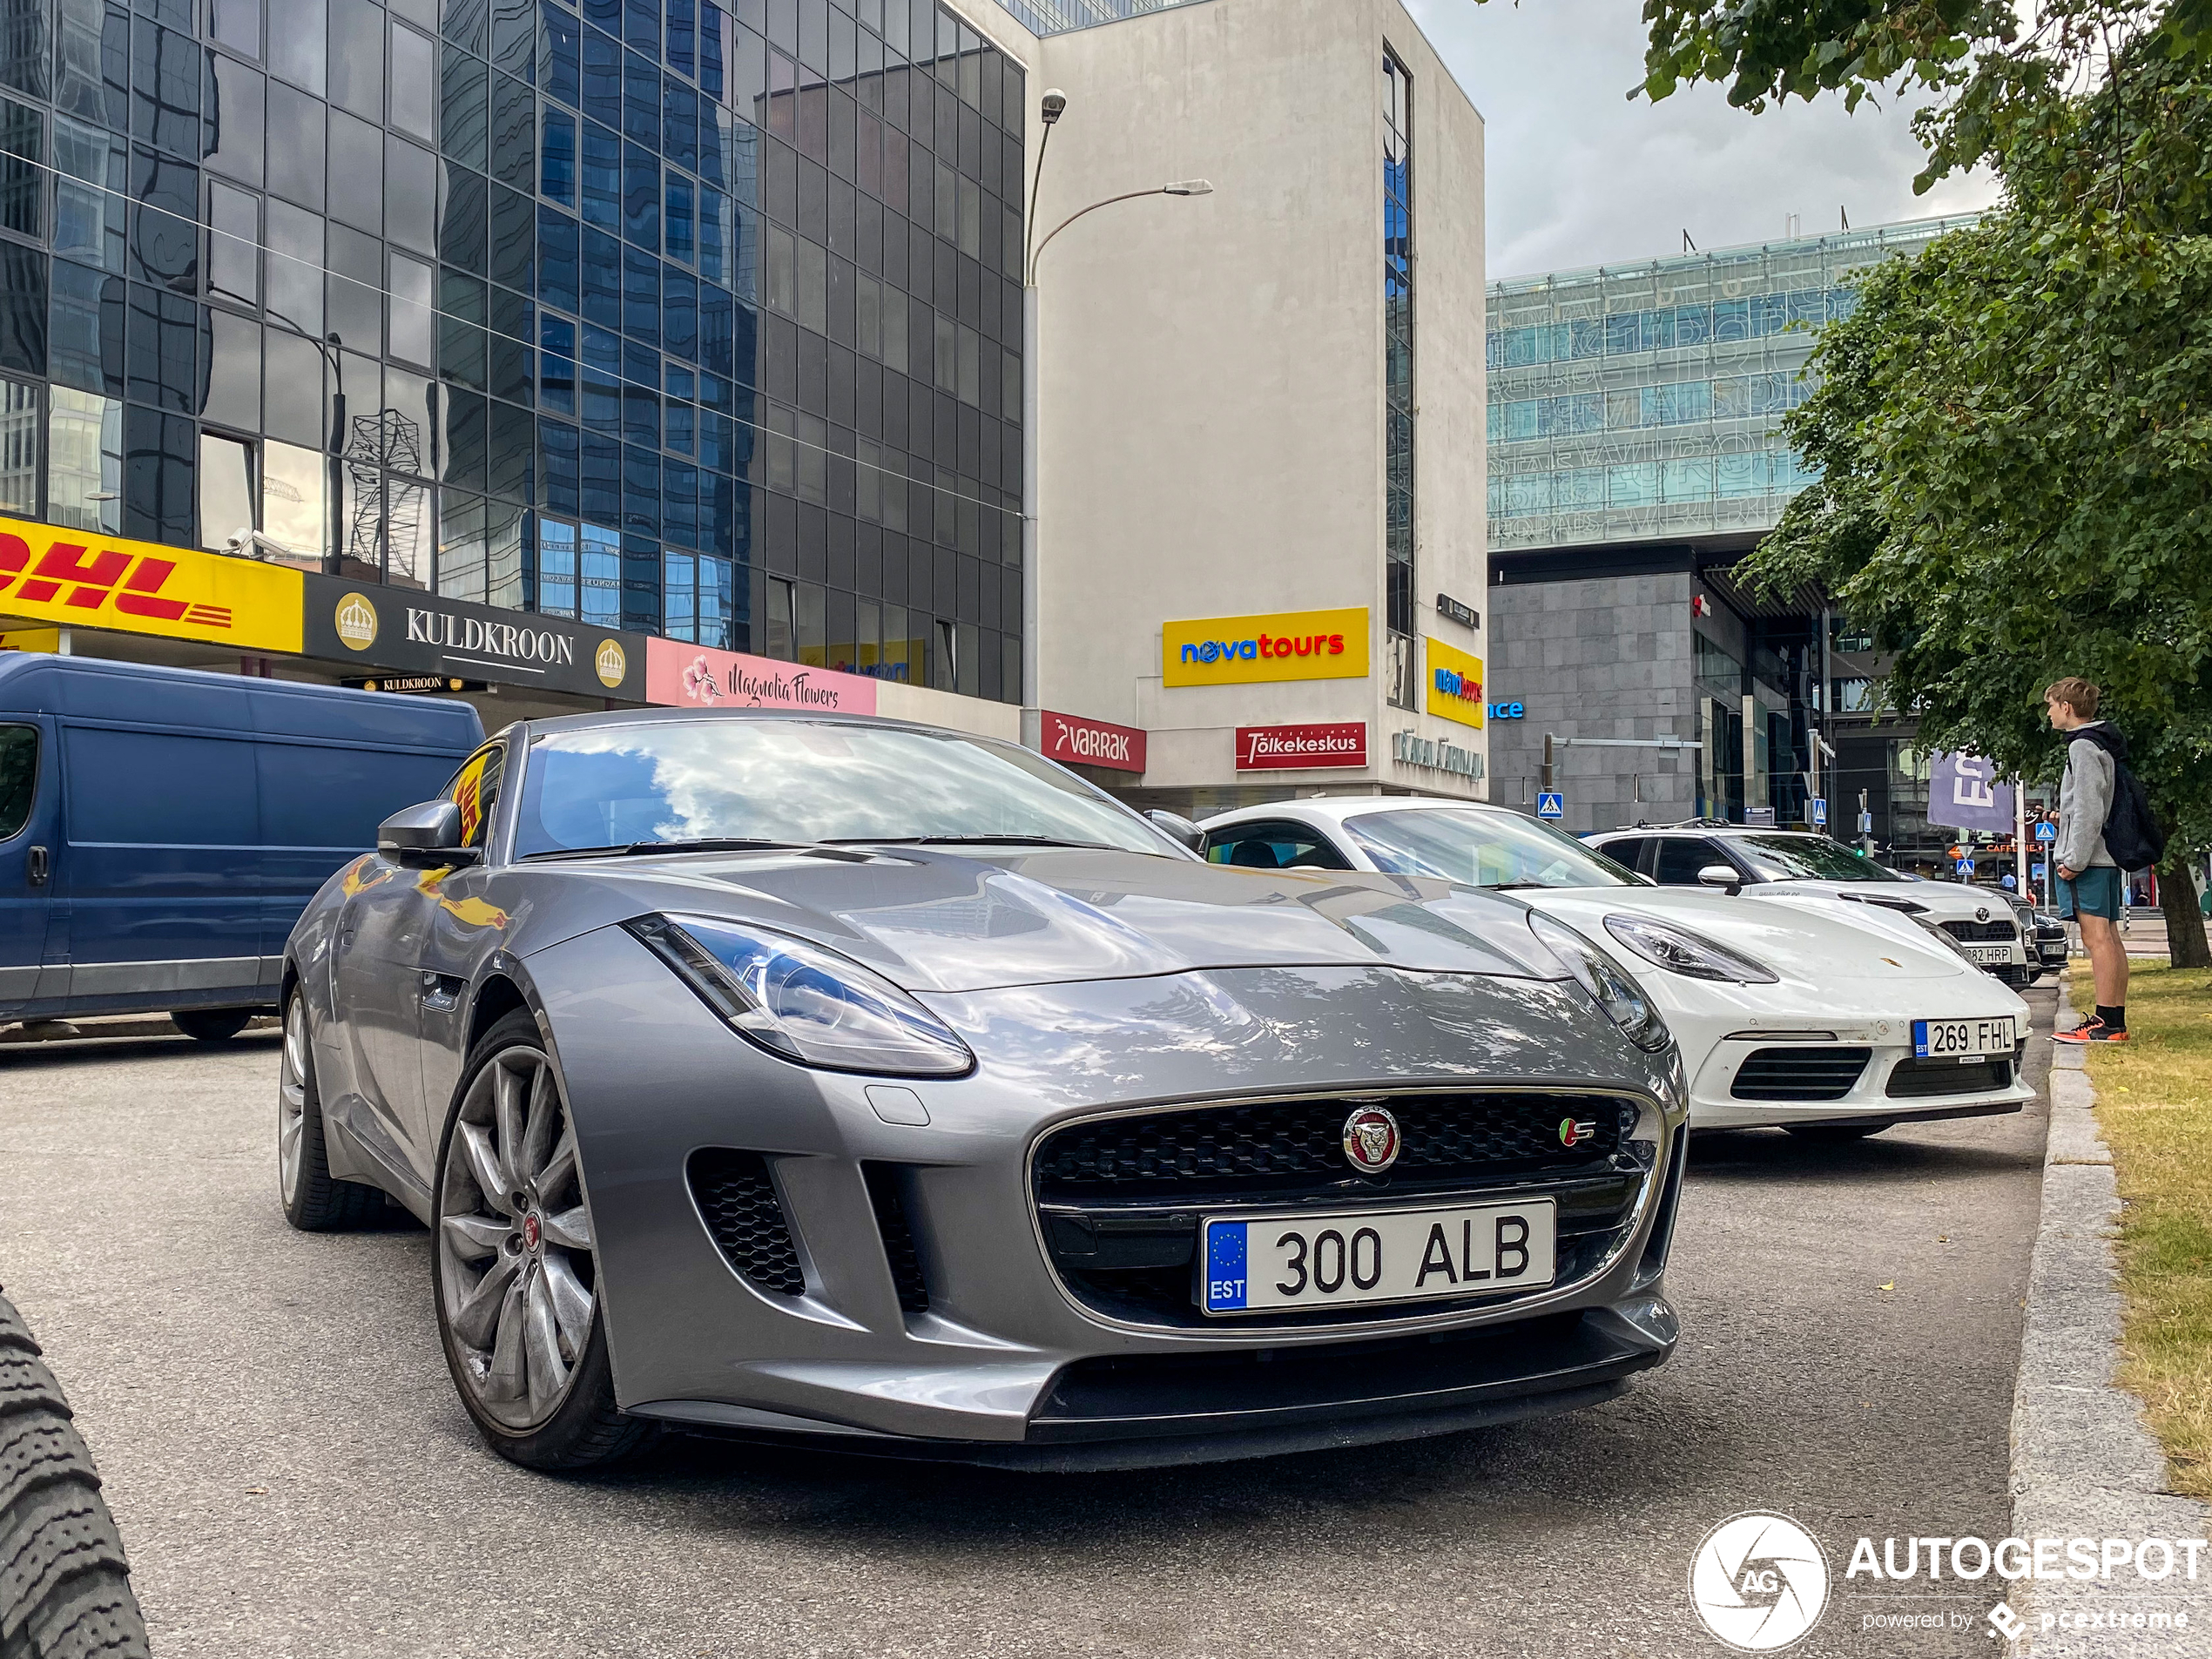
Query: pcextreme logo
point(1281, 645)
point(82, 579)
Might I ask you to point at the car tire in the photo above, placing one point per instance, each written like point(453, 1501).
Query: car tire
point(315, 1200)
point(1837, 1131)
point(514, 1273)
point(211, 1025)
point(64, 1585)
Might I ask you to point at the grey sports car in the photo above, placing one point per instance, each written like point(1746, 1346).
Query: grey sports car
point(859, 1082)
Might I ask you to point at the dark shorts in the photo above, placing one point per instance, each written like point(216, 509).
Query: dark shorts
point(2095, 892)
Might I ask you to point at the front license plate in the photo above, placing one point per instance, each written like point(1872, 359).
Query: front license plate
point(1369, 1256)
point(1967, 1039)
point(1988, 955)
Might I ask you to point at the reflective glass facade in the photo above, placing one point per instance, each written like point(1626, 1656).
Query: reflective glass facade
point(1043, 17)
point(1398, 375)
point(1636, 401)
point(662, 313)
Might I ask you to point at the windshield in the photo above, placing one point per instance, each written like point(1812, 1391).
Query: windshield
point(1814, 858)
point(1482, 850)
point(803, 780)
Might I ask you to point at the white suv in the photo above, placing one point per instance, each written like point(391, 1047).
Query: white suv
point(1793, 863)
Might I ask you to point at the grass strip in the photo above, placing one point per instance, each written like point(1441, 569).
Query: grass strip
point(2154, 1108)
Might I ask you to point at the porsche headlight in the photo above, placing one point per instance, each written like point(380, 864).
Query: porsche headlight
point(1607, 982)
point(1680, 951)
point(801, 1002)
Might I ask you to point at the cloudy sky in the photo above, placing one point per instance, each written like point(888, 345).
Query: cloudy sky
point(1580, 175)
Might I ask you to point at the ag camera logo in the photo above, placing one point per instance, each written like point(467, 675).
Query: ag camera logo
point(1759, 1581)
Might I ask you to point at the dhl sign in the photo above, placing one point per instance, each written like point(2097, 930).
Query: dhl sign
point(81, 579)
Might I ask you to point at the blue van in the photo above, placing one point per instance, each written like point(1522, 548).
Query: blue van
point(161, 828)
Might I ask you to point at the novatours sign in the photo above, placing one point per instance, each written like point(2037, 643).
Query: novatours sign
point(1281, 645)
point(1454, 684)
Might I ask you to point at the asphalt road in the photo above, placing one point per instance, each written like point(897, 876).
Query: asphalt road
point(293, 1476)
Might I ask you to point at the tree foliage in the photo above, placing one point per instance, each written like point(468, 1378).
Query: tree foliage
point(2013, 429)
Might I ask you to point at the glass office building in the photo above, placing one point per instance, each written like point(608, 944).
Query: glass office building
point(1630, 402)
point(1635, 453)
point(695, 318)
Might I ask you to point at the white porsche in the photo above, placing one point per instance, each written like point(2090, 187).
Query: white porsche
point(1830, 1020)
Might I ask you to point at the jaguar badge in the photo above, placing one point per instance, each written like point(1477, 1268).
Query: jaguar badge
point(1370, 1140)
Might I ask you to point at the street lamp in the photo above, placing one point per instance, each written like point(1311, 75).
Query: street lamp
point(1051, 107)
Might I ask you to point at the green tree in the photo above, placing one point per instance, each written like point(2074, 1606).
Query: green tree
point(2014, 428)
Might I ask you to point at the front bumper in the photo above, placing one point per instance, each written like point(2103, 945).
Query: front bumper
point(1000, 1360)
point(1753, 1081)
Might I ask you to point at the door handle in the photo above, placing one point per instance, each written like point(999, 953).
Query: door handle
point(37, 867)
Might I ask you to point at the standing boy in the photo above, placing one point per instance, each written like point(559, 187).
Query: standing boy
point(2089, 881)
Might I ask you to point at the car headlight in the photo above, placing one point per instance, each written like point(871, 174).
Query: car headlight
point(1607, 982)
point(1680, 951)
point(801, 1002)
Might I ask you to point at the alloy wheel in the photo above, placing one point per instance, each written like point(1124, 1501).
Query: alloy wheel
point(516, 1277)
point(292, 1098)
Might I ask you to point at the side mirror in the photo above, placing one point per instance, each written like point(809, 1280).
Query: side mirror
point(1720, 875)
point(1177, 827)
point(425, 833)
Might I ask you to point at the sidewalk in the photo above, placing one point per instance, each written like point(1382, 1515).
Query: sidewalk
point(2084, 1466)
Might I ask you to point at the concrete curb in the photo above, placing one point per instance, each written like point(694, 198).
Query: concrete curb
point(2084, 1465)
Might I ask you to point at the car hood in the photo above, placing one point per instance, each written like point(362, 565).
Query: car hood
point(1811, 942)
point(932, 919)
point(1944, 901)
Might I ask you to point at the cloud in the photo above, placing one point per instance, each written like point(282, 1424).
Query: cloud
point(1581, 175)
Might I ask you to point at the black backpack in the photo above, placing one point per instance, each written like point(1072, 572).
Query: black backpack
point(2132, 835)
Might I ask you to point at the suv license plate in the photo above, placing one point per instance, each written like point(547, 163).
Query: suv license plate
point(1989, 955)
point(1376, 1256)
point(1964, 1039)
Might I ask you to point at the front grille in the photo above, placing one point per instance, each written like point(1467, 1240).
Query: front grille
point(1982, 933)
point(1121, 1200)
point(738, 1200)
point(1281, 1149)
point(886, 1194)
point(1918, 1079)
point(1800, 1074)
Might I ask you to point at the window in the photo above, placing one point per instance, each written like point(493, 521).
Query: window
point(19, 447)
point(556, 568)
point(781, 601)
point(599, 577)
point(225, 492)
point(1682, 857)
point(18, 777)
point(293, 507)
point(1854, 695)
point(1628, 852)
point(475, 789)
point(233, 245)
point(1273, 845)
point(83, 460)
point(23, 180)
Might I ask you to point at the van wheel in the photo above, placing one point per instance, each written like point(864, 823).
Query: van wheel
point(1837, 1131)
point(66, 1588)
point(211, 1025)
point(315, 1200)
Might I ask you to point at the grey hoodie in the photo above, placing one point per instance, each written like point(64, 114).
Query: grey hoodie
point(2085, 798)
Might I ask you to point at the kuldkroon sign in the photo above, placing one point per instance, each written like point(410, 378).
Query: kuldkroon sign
point(1281, 645)
point(425, 633)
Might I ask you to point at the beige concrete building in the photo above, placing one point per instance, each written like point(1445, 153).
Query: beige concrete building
point(1261, 402)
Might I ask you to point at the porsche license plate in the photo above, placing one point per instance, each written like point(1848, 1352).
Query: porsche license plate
point(1376, 1256)
point(1989, 955)
point(1964, 1039)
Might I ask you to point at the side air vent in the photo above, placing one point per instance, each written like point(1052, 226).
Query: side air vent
point(886, 1192)
point(738, 1200)
point(1800, 1074)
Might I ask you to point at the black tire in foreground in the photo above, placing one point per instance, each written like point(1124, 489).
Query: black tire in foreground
point(211, 1025)
point(65, 1587)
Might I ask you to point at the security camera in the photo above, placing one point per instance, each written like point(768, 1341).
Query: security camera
point(1055, 105)
point(251, 544)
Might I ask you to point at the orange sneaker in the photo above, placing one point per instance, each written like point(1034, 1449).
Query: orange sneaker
point(2090, 1030)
